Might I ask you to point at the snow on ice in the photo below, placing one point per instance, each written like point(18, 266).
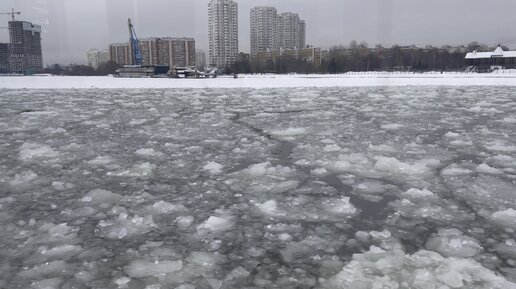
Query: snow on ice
point(314, 183)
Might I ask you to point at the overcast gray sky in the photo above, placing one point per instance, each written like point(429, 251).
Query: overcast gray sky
point(73, 26)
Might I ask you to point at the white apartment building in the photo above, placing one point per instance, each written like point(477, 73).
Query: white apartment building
point(97, 57)
point(271, 31)
point(264, 30)
point(222, 32)
point(291, 31)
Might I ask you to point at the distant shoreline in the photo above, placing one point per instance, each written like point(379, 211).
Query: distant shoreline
point(508, 78)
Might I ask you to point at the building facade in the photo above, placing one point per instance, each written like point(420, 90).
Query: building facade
point(97, 57)
point(291, 31)
point(490, 61)
point(157, 51)
point(25, 54)
point(150, 50)
point(121, 53)
point(311, 55)
point(178, 52)
point(264, 30)
point(4, 58)
point(273, 32)
point(222, 33)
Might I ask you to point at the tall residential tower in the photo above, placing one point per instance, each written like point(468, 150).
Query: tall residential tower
point(291, 31)
point(264, 30)
point(273, 32)
point(222, 32)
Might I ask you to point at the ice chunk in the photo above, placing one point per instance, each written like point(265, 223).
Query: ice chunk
point(122, 281)
point(99, 196)
point(138, 170)
point(452, 135)
point(101, 160)
point(269, 208)
point(213, 167)
point(293, 131)
point(506, 218)
point(185, 286)
point(137, 121)
point(62, 251)
point(51, 283)
point(124, 226)
point(371, 187)
point(29, 151)
point(332, 148)
point(340, 206)
point(486, 169)
point(452, 243)
point(206, 260)
point(393, 166)
point(61, 231)
point(416, 194)
point(23, 178)
point(216, 224)
point(184, 221)
point(54, 268)
point(379, 268)
point(144, 268)
point(501, 146)
point(162, 207)
point(237, 273)
point(454, 170)
point(510, 120)
point(61, 186)
point(257, 170)
point(148, 152)
point(392, 126)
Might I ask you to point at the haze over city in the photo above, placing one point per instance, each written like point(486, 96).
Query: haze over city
point(71, 27)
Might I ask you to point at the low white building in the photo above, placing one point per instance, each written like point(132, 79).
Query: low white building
point(489, 61)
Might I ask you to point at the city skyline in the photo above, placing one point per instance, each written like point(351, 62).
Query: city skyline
point(70, 29)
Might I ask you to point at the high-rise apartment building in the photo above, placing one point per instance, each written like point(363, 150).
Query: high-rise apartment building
point(291, 31)
point(222, 32)
point(179, 52)
point(97, 57)
point(149, 48)
point(264, 30)
point(271, 31)
point(121, 53)
point(157, 51)
point(25, 47)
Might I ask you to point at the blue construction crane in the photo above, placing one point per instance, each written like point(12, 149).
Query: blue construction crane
point(135, 45)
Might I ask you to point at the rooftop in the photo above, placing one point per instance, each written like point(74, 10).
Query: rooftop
point(497, 53)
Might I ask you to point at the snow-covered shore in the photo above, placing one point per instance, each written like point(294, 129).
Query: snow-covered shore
point(265, 81)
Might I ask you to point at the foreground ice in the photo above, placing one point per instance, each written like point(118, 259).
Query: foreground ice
point(303, 187)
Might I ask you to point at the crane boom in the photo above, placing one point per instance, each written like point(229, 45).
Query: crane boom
point(12, 13)
point(135, 45)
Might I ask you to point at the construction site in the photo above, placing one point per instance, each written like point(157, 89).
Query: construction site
point(23, 54)
point(156, 57)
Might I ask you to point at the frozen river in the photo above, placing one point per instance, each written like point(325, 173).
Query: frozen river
point(365, 187)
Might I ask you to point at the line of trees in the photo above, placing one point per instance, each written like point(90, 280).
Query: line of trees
point(360, 57)
point(396, 58)
point(82, 70)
